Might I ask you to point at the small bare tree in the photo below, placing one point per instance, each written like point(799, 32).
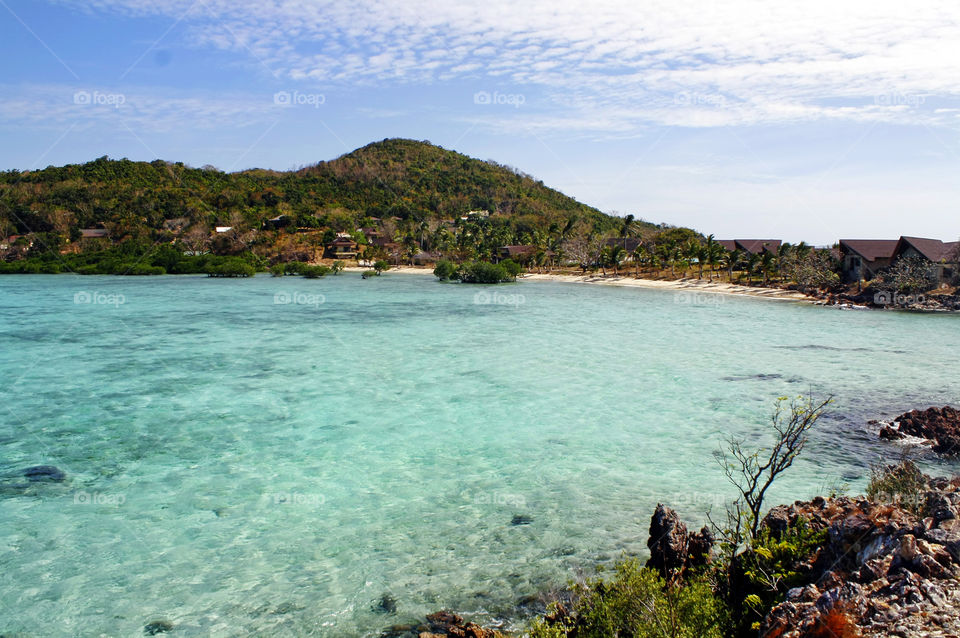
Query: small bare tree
point(752, 473)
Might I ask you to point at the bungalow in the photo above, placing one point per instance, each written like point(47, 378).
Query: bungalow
point(943, 255)
point(629, 244)
point(862, 259)
point(223, 229)
point(758, 246)
point(518, 254)
point(93, 233)
point(342, 247)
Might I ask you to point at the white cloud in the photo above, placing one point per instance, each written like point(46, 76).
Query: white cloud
point(771, 61)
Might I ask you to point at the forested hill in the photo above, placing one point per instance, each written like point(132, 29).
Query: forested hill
point(394, 178)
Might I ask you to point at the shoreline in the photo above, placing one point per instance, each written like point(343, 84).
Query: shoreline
point(683, 285)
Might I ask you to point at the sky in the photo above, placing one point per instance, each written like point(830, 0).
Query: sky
point(812, 121)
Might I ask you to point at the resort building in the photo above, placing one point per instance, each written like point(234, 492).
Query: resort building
point(342, 247)
point(943, 255)
point(862, 259)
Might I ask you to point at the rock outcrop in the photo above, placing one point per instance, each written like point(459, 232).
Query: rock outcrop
point(940, 426)
point(441, 625)
point(882, 571)
point(672, 548)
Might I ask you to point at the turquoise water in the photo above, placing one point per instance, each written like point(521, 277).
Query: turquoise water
point(240, 467)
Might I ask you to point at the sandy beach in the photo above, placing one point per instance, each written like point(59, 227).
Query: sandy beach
point(687, 285)
point(691, 285)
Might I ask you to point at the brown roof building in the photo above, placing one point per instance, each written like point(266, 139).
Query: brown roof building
point(862, 259)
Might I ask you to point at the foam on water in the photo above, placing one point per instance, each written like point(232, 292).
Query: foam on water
point(239, 466)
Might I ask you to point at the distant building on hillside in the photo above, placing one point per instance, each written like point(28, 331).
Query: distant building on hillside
point(862, 259)
point(93, 233)
point(342, 247)
point(629, 244)
point(223, 229)
point(519, 254)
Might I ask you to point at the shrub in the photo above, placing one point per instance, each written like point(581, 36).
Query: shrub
point(380, 266)
point(230, 268)
point(445, 270)
point(902, 484)
point(337, 267)
point(638, 602)
point(294, 267)
point(513, 268)
point(277, 270)
point(366, 274)
point(770, 566)
point(314, 272)
point(483, 272)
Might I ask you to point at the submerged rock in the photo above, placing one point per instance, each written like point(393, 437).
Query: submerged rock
point(521, 519)
point(44, 473)
point(386, 605)
point(155, 627)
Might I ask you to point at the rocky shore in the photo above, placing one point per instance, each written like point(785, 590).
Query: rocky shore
point(938, 427)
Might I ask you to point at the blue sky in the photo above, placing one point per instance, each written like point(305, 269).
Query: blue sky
point(812, 121)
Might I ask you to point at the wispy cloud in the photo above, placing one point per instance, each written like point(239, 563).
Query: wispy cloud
point(658, 62)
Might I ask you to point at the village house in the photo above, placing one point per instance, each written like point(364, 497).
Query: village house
point(93, 233)
point(342, 247)
point(862, 259)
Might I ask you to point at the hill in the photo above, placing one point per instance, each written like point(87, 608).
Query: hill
point(398, 178)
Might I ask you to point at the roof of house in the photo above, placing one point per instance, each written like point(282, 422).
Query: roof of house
point(755, 246)
point(517, 251)
point(343, 241)
point(870, 249)
point(628, 243)
point(728, 244)
point(223, 229)
point(933, 249)
point(93, 232)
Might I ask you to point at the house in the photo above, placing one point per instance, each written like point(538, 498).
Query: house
point(629, 244)
point(93, 233)
point(728, 245)
point(862, 259)
point(277, 222)
point(475, 214)
point(223, 229)
point(517, 253)
point(943, 255)
point(758, 246)
point(342, 247)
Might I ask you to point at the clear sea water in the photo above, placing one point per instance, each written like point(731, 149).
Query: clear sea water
point(238, 466)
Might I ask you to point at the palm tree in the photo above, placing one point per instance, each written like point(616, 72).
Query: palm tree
point(639, 255)
point(627, 228)
point(713, 255)
point(768, 263)
point(753, 261)
point(616, 255)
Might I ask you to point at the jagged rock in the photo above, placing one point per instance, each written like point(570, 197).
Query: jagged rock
point(939, 425)
point(668, 542)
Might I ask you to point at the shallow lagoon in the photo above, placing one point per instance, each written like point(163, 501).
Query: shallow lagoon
point(274, 455)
